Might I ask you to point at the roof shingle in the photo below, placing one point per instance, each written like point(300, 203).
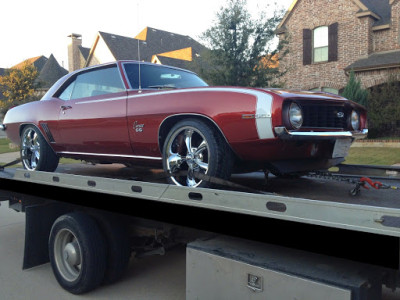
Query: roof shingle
point(377, 60)
point(381, 8)
point(157, 41)
point(51, 72)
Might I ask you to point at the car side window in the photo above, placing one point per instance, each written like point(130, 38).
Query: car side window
point(97, 82)
point(66, 94)
point(94, 83)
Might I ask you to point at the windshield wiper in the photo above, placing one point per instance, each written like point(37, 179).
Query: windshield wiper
point(161, 87)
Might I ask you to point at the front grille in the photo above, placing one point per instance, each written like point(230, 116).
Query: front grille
point(324, 116)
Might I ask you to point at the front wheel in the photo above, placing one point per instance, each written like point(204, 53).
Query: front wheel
point(36, 154)
point(192, 146)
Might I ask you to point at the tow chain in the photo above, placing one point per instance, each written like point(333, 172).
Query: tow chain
point(14, 162)
point(364, 182)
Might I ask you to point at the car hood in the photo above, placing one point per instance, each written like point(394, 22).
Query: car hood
point(299, 94)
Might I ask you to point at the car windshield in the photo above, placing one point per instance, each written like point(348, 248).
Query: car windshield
point(160, 77)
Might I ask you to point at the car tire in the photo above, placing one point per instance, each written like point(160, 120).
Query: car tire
point(209, 154)
point(36, 154)
point(77, 252)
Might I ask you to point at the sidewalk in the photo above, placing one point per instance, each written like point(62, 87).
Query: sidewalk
point(377, 143)
point(8, 157)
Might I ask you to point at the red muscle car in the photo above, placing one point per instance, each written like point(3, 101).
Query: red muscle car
point(140, 113)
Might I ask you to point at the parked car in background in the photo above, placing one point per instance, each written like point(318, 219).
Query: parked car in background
point(154, 115)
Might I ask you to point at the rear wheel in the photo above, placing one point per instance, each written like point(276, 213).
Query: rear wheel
point(117, 244)
point(192, 146)
point(36, 154)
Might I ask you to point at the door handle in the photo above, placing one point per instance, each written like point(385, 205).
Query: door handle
point(65, 107)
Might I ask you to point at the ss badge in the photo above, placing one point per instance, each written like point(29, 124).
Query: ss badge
point(138, 127)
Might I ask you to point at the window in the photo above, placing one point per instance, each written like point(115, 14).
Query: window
point(94, 83)
point(161, 77)
point(66, 94)
point(320, 44)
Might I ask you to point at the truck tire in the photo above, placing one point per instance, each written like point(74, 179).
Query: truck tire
point(117, 245)
point(77, 252)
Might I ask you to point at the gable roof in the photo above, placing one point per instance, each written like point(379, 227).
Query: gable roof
point(51, 72)
point(167, 41)
point(380, 10)
point(122, 47)
point(38, 62)
point(152, 42)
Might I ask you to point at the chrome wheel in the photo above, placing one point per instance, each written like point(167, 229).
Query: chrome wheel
point(187, 149)
point(30, 149)
point(67, 255)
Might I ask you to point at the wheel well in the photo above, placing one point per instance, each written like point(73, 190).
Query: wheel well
point(22, 126)
point(168, 123)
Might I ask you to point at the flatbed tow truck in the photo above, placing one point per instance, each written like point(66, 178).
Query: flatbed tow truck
point(304, 238)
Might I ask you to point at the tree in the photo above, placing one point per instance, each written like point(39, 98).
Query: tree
point(240, 53)
point(354, 91)
point(18, 86)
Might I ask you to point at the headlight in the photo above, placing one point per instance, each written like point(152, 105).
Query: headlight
point(295, 115)
point(355, 120)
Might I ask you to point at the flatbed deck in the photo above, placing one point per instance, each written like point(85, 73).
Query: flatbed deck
point(305, 200)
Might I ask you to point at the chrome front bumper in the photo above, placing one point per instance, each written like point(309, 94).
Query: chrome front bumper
point(284, 134)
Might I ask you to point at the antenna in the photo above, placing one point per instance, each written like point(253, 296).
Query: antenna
point(140, 81)
point(138, 46)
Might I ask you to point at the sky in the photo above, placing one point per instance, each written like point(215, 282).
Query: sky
point(30, 28)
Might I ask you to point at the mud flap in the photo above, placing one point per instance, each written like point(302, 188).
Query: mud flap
point(39, 220)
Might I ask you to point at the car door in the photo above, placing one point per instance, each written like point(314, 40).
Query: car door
point(92, 117)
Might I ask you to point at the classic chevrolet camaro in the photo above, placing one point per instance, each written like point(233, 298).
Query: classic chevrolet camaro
point(140, 113)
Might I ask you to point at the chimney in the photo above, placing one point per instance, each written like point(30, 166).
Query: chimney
point(74, 59)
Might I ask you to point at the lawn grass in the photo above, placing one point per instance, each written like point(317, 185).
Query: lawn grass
point(373, 156)
point(5, 146)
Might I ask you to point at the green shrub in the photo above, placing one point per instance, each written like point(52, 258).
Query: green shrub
point(354, 91)
point(384, 109)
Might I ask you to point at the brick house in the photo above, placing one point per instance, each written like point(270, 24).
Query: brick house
point(328, 38)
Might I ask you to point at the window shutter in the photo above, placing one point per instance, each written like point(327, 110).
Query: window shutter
point(307, 46)
point(333, 42)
